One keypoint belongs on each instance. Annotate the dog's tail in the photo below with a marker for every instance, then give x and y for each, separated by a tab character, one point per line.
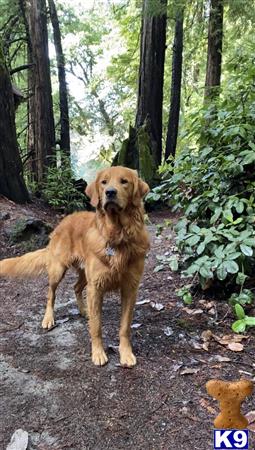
29	265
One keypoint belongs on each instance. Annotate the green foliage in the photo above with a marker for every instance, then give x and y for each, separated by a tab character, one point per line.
213	185
238	302
166	261
58	188
185	294
243	321
245	297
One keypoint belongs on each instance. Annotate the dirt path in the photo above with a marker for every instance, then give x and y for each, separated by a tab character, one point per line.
50	388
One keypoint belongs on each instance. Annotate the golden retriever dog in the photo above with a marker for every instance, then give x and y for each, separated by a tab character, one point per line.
107	248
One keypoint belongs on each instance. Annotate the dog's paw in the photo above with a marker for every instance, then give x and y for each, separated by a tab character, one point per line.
127	358
48	321
99	357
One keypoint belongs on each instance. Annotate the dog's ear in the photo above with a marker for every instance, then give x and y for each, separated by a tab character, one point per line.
92	192
140	190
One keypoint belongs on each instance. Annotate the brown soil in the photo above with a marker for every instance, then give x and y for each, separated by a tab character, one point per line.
50	388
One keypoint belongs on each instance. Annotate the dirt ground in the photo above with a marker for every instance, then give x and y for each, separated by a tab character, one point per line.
50	388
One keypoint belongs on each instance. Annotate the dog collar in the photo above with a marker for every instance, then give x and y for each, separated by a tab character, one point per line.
109	251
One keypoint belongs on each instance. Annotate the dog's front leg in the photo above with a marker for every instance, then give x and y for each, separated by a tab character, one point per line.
94	302
128	299
129	288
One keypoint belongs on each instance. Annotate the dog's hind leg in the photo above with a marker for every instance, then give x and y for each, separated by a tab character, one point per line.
55	272
78	289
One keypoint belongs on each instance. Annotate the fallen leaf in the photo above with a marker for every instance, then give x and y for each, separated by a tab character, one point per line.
192	312
19	440
202	302
197	346
206	346
245	372
168	331
220	358
205	404
235	346
229	338
143	302
206	304
231	341
189	371
206	337
157	306
211	311
176	367
210	305
136	325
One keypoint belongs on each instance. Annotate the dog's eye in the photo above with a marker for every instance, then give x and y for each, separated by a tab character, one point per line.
123	181
103	181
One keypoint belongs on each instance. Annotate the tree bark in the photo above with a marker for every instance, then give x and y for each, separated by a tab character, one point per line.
214	52
151	73
175	99
41	132
12	184
63	94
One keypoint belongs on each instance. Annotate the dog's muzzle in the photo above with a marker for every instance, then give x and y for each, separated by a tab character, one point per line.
111	201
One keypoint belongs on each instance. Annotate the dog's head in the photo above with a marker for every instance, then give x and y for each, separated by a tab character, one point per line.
116	188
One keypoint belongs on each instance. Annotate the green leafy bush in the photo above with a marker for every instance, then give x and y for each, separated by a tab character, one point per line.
213	185
243	321
185	294
245	297
59	190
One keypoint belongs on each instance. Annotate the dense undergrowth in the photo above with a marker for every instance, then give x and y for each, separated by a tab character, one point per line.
213	185
59	189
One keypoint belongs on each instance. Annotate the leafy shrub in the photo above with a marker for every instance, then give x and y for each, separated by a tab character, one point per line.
245	297
185	294
244	321
59	189
214	187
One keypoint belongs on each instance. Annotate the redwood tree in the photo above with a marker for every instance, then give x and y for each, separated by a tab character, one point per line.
41	133
214	52
175	98
63	94
151	72
143	149
12	184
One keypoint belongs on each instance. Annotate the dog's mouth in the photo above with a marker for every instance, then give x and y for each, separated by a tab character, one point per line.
111	206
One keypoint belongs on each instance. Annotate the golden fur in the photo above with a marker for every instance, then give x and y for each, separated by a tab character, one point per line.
84	240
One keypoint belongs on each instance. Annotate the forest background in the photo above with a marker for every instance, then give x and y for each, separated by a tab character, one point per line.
166	87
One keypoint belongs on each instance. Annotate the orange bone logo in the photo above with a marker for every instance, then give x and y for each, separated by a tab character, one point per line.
230	396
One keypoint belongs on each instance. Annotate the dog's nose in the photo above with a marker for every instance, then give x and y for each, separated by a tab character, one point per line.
111	192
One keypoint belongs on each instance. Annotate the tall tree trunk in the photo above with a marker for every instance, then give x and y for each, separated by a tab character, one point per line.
41	133
63	95
214	52
143	149
12	184
151	73
174	113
